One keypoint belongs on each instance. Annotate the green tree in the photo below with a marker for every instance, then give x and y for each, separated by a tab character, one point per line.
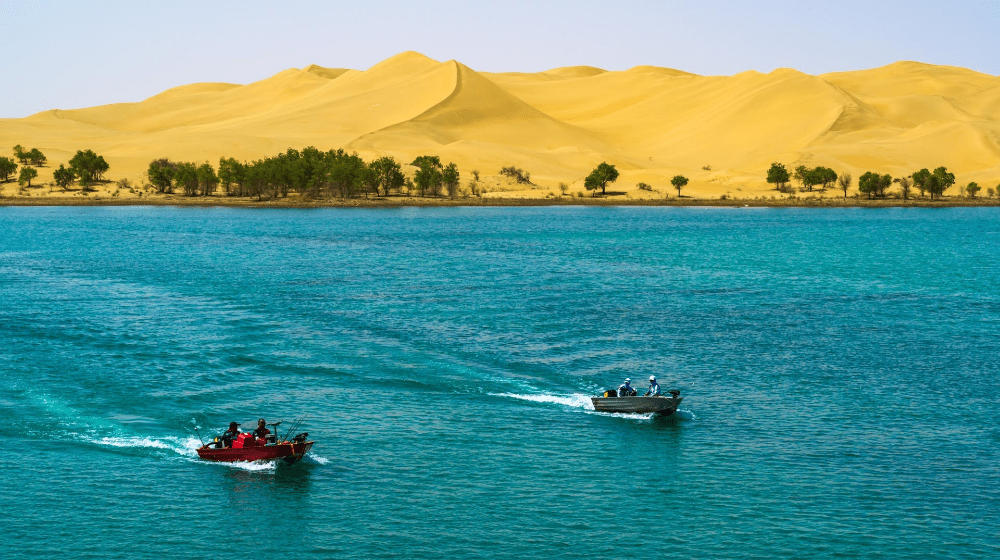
826	177
63	177
811	178
36	157
884	182
844	181
451	179
869	183
346	173
21	154
600	177
388	175
904	185
944	181
186	177
161	175
88	167
7	168
420	161
800	175
207	179
232	175
778	176
920	180
27	174
972	189
428	178
678	182
933	185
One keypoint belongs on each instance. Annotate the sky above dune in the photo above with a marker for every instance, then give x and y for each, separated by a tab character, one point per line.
68	55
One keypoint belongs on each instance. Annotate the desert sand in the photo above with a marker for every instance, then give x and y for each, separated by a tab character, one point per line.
722	132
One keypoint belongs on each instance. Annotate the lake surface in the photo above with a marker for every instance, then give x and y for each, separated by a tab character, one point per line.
839	369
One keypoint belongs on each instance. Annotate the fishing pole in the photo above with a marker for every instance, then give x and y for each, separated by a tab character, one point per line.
295	426
199	436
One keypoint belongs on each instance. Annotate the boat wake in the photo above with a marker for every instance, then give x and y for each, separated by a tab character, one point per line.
582	402
575	400
184	446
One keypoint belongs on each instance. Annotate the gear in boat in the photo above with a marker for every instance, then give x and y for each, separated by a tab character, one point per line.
624	399
260	445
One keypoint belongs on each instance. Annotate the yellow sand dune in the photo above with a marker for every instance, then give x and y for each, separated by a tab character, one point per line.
651	122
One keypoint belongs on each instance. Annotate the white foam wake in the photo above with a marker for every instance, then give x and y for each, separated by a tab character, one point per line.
574	400
181	446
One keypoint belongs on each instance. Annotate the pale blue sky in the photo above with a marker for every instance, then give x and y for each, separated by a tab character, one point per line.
69	54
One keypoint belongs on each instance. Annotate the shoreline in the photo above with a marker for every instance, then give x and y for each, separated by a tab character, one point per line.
425	202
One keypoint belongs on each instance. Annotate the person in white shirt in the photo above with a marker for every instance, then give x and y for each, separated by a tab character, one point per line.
654	387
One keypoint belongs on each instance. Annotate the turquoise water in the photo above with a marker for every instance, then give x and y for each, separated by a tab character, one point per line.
839	369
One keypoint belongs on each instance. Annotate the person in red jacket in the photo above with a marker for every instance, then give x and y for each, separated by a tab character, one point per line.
261	431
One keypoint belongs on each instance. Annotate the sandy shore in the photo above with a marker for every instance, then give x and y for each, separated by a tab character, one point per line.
427	202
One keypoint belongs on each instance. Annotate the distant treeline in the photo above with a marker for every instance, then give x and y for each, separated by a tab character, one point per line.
85	167
335	173
309	172
871	183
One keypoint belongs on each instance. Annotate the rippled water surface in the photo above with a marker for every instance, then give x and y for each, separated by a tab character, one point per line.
839	369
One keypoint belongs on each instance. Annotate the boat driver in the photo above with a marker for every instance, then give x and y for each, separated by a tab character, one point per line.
231	434
654	387
261	431
626	390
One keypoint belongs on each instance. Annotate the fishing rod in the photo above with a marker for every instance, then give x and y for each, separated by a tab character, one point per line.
199	436
295	426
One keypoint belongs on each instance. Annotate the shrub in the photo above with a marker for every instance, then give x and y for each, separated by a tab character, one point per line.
644	187
517	174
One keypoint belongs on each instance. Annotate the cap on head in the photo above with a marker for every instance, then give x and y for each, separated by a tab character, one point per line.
261	421
652	378
233	425
627	380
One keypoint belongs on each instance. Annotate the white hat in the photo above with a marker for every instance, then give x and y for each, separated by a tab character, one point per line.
627	380
652	378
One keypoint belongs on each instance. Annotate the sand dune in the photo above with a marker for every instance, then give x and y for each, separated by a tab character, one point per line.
652	122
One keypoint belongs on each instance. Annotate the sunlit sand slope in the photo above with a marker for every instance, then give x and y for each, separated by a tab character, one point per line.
651	122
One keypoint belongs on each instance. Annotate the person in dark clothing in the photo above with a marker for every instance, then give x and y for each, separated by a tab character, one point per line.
231	434
261	431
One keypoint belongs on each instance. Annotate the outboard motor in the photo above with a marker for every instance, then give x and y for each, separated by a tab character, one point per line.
300	438
675	393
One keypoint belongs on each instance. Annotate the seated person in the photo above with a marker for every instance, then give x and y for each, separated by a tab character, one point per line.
261	431
231	434
626	390
654	387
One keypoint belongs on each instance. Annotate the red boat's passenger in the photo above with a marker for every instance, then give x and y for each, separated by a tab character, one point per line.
261	431
231	434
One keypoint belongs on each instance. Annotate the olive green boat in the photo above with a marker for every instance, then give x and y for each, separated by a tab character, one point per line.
661	405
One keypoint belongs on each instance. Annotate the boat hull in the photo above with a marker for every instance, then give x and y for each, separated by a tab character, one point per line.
664	406
286	452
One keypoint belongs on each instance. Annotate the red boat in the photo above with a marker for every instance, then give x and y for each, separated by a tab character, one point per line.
248	448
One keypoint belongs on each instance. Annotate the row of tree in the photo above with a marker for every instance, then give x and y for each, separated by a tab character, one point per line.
33	156
870	183
310	172
85	167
